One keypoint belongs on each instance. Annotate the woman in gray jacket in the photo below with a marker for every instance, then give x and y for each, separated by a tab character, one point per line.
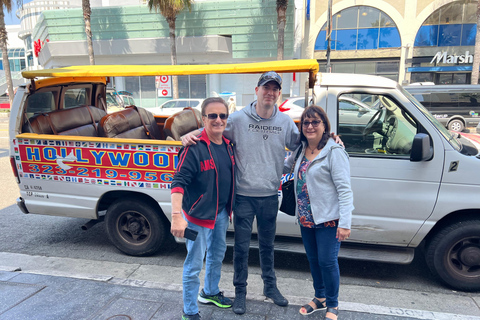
324	206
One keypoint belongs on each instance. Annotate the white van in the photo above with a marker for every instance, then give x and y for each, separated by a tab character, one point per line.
415	185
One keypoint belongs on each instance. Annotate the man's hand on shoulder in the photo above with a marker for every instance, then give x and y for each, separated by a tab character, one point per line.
337	139
190	138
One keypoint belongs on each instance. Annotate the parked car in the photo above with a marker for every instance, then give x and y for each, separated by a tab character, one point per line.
353	111
113	105
126	98
455	106
175	105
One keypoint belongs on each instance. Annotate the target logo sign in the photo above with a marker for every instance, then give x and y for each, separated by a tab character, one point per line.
164	86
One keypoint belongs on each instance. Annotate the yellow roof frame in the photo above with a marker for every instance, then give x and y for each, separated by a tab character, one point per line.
300	65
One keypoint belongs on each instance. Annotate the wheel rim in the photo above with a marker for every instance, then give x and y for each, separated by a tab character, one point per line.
464	257
456	126
133	227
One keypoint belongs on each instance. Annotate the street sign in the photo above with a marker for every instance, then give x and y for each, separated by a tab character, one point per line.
164	86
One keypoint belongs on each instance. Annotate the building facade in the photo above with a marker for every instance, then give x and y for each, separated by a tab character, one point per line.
407	41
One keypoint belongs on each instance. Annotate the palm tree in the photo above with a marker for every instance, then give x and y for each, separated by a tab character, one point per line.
281	21
6	5
170	9
87	11
476	56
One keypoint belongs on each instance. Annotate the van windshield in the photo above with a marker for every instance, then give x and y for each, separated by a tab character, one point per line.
441	128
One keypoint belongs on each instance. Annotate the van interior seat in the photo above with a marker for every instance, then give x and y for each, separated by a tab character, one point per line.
78	121
182	122
129	123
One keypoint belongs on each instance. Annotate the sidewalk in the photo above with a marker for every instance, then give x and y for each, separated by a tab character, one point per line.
34	296
63	288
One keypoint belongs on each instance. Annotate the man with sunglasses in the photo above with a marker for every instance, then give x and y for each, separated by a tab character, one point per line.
260	133
202	200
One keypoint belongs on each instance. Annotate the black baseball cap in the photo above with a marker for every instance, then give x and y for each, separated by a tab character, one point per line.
270	76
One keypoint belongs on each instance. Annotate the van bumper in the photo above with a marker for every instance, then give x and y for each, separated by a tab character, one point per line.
21	205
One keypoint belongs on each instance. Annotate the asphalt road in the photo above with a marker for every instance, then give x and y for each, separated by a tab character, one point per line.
49	236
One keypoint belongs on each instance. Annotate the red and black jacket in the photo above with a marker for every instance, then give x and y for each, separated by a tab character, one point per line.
196	178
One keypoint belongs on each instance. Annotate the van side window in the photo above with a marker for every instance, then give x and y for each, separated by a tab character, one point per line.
382	129
74	97
40	102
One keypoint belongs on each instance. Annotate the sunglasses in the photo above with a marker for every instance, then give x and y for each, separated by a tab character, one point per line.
314	123
213	116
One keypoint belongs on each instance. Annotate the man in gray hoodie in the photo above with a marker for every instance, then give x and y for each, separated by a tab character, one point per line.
260	133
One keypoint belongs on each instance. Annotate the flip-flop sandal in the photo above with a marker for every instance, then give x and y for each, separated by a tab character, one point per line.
332	310
310	310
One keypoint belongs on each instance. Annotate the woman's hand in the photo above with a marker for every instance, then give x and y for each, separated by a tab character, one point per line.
343	234
178	225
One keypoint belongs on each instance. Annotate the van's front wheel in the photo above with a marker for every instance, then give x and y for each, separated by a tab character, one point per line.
135	228
454	255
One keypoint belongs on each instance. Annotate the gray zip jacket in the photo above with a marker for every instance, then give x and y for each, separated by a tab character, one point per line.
260	149
328	184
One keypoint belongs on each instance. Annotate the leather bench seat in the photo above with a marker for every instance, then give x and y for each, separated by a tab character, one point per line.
130	123
182	122
78	121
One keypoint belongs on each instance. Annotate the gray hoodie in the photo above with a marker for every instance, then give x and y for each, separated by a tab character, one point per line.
328	184
260	149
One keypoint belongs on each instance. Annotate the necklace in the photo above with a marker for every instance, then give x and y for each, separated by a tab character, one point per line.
313	150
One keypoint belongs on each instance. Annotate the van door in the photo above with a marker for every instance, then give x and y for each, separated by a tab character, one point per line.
393	196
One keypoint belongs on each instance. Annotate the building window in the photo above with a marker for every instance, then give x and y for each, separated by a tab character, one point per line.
452	25
360	28
387	69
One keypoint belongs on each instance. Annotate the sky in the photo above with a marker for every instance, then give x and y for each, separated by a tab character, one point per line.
11	18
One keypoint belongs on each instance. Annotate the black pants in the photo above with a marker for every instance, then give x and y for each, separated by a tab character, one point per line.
265	209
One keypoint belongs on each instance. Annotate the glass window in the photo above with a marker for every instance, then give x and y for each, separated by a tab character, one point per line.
449	35
386	21
389	38
368	17
383	130
170	104
374	30
40	102
451	13
346	40
427	36
365	68
147	87
421	77
367	39
192	86
434	18
470	12
344	68
469	32
321	42
74	98
459	78
347	19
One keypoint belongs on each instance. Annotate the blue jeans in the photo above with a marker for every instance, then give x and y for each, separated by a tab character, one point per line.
322	246
265	209
213	242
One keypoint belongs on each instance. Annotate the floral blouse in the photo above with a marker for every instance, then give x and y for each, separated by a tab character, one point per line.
305	216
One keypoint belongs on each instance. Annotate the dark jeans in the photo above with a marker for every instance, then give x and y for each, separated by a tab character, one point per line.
322	246
265	210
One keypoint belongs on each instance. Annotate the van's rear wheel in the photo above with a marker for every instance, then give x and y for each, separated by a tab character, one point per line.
453	254
135	228
456	125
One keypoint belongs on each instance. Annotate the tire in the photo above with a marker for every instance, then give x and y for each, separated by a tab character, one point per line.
456	125
135	228
453	254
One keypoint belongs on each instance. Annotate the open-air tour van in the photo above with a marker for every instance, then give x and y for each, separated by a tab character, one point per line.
415	184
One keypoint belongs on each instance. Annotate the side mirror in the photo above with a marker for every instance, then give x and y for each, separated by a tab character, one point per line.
421	149
362	110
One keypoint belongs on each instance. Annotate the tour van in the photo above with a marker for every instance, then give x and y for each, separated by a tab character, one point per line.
415	184
455	106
